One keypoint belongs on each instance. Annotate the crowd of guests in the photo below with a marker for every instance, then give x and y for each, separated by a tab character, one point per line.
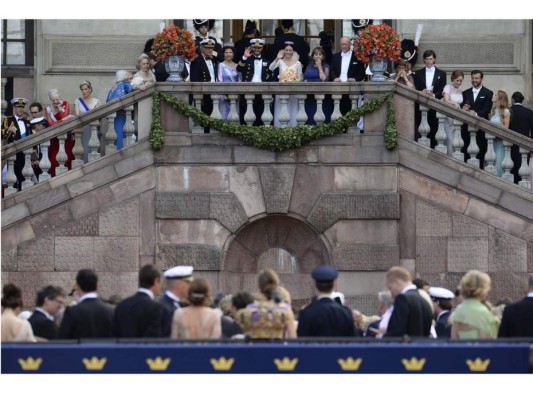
187	310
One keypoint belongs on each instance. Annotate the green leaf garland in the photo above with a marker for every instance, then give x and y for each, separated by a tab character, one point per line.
272	138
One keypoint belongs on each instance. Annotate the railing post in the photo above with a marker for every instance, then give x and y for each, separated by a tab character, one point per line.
249	116
111	135
336	106
319	116
233	115
507	163
78	150
27	171
267	116
94	143
61	156
458	142
473	148
11	178
440	135
45	164
490	156
283	117
196	128
525	170
129	128
424	128
355	104
301	117
216	111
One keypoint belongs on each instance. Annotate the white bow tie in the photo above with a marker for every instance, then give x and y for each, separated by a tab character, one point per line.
347	54
430	69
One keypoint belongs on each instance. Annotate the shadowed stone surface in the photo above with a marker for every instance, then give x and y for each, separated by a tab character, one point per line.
147	225
9	260
506	252
277	187
465	254
116	254
363	232
530	257
202	257
122	284
240	259
54	218
226	209
245	184
366	179
465	226
192	231
74	253
309	183
407	225
431	255
182	205
233	282
86	226
37	254
431	220
48	199
332	207
359	283
365	257
121	219
504	283
17	234
367	303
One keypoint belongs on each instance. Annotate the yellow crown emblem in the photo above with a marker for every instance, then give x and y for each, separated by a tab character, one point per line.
477	365
94	364
350	364
158	364
30	364
286	364
222	364
413	364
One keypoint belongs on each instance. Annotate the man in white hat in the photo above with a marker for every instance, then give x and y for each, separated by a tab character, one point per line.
178	279
442	303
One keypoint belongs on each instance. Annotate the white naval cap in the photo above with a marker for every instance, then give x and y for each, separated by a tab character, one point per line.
179	272
440	293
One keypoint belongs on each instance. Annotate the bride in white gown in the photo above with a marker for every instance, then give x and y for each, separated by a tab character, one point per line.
290	70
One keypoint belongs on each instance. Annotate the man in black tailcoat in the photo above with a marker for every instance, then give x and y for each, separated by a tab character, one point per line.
429	80
50	300
517	318
521	122
325	317
477	100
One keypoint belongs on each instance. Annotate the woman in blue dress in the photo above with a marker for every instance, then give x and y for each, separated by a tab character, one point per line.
500	115
121	88
317	71
227	72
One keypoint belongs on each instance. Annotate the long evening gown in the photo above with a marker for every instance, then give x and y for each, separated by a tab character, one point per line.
227	74
498	143
293	100
86	136
456	95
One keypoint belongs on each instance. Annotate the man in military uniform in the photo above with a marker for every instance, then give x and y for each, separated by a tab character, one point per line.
177	279
324	316
203	26
250	32
254	68
204	69
14	128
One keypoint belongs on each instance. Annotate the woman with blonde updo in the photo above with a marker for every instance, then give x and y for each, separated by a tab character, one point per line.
198	320
269	317
82	105
500	115
473	319
144	78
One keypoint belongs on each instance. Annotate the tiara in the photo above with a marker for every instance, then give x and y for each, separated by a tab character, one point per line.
291	43
228	44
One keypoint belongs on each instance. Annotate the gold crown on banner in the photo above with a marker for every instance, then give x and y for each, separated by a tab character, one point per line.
158	364
349	364
30	364
222	364
94	364
478	365
286	364
413	364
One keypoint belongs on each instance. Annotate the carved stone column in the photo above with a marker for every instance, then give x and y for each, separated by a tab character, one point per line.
440	135
267	116
11	178
301	117
111	135
507	163
319	116
525	170
249	116
283	116
78	150
129	127
233	115
61	156
94	143
490	156
458	142
473	148
27	171
424	128
45	164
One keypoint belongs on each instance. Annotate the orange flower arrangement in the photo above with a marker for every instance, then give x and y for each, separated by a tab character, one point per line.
378	41
174	40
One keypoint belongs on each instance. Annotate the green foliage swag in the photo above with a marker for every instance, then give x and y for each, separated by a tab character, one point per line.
269	137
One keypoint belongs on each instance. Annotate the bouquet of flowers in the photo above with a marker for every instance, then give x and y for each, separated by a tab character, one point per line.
174	40
289	75
378	41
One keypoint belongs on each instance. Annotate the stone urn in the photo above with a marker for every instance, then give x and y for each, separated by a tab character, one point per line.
174	66
378	68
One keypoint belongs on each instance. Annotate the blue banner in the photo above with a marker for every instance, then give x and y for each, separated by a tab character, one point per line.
266	358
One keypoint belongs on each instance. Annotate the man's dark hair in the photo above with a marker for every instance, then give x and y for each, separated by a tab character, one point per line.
241	300
517	97
477	71
52	292
445	304
420	283
148	46
325	287
37	104
429	53
287	23
147	276
87	280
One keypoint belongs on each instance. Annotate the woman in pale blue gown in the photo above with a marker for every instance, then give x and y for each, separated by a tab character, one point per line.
452	95
500	115
227	72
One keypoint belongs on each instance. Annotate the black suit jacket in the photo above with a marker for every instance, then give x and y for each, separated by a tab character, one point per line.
200	72
138	316
246	67
411	316
442	328
42	326
92	318
483	103
217	51
168	312
325	317
20	159
517	319
300	46
356	69
439	81
521	120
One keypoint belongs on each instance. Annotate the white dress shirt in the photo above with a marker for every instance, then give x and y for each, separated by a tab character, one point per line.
475	92
430	73
346	57
258	67
211	69
22	126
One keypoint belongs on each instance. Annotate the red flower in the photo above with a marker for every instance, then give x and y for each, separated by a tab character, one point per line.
174	40
379	41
